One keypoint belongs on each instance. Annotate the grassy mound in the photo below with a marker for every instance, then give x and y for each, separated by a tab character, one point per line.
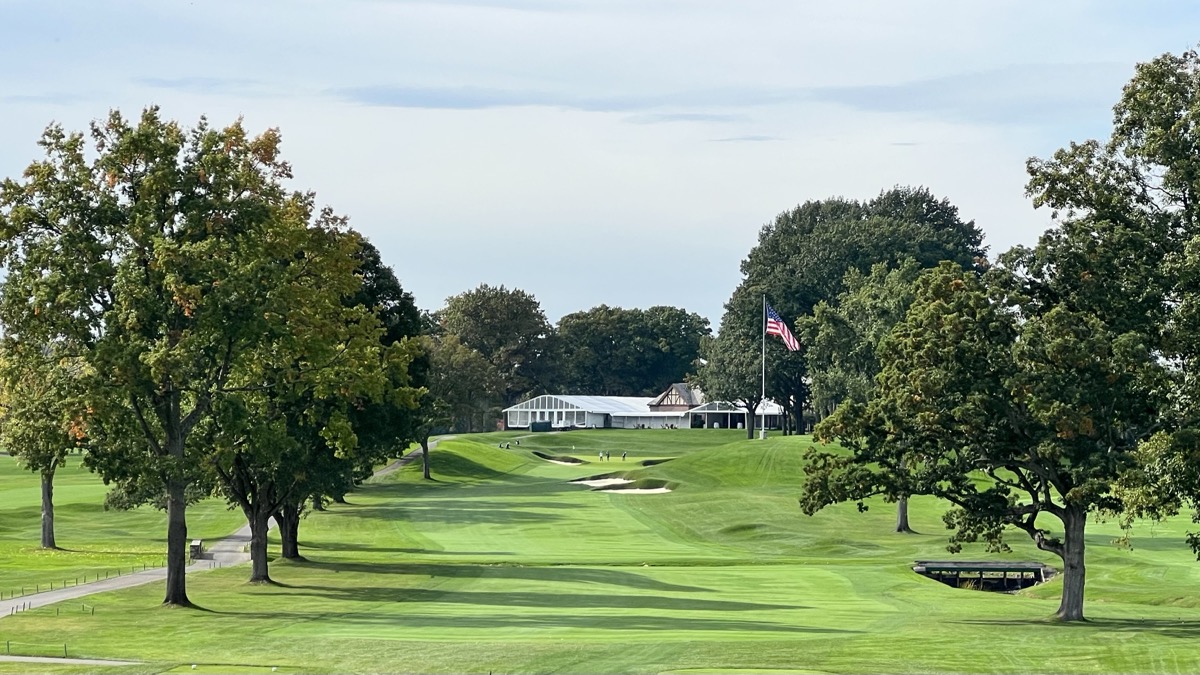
557	458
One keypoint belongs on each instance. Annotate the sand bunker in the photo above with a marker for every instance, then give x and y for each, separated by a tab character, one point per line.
602	482
640	491
559	461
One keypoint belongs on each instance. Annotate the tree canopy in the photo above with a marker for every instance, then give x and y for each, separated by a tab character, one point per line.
178	264
627	352
1062	383
802	258
509	328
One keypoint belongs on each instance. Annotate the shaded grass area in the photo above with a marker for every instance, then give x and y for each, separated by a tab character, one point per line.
92	541
501	565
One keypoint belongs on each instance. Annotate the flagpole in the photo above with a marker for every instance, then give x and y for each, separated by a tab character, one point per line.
762	432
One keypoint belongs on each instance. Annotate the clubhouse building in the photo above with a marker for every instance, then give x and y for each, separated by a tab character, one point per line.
679	407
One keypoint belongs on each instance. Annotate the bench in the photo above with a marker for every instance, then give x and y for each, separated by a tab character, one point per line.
197	548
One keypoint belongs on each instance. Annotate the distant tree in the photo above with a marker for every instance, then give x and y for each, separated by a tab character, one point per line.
509	328
802	258
39	427
844	336
627	352
463	387
733	360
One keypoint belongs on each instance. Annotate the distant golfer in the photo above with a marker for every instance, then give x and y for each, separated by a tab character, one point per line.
602	456
608	456
622	457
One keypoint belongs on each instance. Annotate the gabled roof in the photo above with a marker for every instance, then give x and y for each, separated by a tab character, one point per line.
764	408
685	394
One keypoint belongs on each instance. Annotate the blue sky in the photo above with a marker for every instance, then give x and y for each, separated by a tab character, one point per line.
624	152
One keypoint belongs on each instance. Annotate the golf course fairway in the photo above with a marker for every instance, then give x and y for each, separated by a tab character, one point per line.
502	565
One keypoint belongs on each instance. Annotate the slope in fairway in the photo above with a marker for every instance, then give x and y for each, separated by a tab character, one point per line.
502	565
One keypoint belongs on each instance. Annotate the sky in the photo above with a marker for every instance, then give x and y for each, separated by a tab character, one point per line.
619	152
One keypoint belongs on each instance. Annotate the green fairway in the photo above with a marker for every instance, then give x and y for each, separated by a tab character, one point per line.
92	541
502	565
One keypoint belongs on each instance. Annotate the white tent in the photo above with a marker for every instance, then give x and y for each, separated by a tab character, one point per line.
567	411
629	412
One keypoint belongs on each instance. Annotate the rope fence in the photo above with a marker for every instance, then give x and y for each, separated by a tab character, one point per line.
12	648
86	578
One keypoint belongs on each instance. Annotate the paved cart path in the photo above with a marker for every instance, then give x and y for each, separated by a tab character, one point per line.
231	550
228	551
66	662
409	458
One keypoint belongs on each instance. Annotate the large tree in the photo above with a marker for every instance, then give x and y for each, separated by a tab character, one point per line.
844	336
803	256
160	251
1016	409
1145	180
296	403
509	328
461	390
384	424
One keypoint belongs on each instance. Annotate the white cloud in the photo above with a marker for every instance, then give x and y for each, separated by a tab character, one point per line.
567	146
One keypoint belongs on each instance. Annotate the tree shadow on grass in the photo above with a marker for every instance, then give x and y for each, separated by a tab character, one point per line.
1164	627
350	546
400	622
452	512
532	486
609	577
533	599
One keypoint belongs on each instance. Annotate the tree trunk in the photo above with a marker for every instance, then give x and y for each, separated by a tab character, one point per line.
318	503
48	509
425	456
177	545
1071	607
902	515
288	519
259	524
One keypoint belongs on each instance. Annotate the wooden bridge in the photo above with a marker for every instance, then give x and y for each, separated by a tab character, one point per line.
986	575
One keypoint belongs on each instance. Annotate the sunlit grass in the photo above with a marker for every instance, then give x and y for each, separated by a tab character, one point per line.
501	565
92	542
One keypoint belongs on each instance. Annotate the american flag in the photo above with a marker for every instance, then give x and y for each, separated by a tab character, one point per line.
776	326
